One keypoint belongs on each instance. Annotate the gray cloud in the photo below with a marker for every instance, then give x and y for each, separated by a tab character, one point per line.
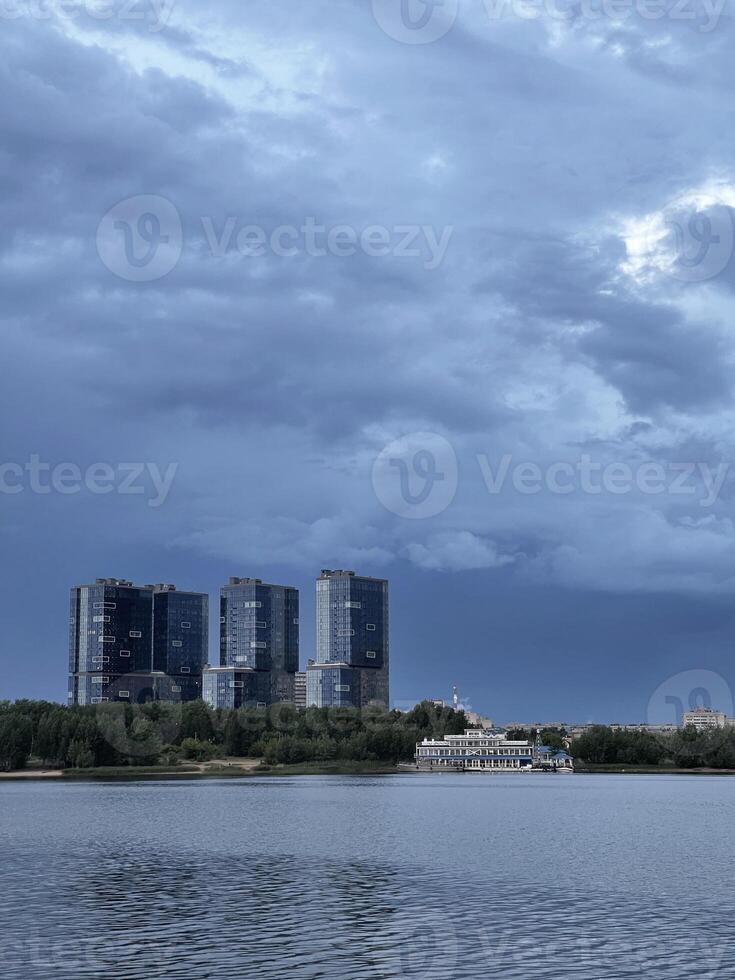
274	382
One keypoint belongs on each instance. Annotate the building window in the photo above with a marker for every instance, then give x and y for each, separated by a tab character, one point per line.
107	639
258	645
101	619
175	689
342	687
176	643
371	627
186	626
252	605
136	634
353	605
125	653
346	633
186	670
371	654
123	694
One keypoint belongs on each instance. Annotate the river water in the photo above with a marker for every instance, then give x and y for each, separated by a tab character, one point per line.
417	875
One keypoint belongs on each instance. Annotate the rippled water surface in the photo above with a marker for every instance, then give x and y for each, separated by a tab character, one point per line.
470	876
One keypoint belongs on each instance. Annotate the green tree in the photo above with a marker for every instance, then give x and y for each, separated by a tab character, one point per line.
16	740
196	722
193	748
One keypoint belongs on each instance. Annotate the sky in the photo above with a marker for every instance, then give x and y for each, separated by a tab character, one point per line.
439	293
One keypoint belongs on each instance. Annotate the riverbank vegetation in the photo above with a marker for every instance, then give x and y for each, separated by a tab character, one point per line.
187	736
685	748
120	735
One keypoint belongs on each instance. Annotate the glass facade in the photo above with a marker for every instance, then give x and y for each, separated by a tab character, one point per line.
180	631
135	643
110	629
259	632
133	688
299	697
353	635
228	687
332	686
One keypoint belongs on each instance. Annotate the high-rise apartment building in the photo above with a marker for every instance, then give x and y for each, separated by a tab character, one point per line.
133	643
352	643
181	637
259	645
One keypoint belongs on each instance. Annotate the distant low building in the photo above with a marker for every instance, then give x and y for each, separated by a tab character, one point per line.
576	731
488	750
299	696
474	718
704	719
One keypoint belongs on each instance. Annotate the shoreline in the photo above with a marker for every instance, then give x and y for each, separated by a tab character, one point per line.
218	769
244	768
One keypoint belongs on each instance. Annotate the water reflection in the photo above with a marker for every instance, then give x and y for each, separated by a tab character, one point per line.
161	905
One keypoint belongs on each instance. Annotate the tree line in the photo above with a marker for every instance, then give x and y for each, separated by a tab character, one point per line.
84	737
685	748
158	733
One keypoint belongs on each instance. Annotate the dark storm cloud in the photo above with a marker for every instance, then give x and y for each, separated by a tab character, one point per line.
274	382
